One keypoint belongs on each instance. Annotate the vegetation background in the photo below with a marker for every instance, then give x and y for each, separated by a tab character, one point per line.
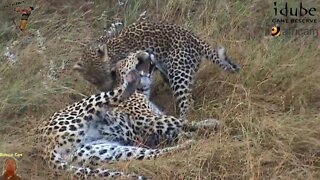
269	112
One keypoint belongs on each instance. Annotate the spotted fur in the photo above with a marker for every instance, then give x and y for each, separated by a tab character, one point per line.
105	128
177	50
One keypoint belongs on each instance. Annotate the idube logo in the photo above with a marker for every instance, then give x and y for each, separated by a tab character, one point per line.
291	14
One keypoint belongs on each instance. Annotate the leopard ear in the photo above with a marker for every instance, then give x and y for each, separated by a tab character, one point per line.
144	58
144	55
132	79
101	50
106	58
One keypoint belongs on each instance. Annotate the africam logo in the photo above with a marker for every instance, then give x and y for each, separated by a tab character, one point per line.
300	14
276	31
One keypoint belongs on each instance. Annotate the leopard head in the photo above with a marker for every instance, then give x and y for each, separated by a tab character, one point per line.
95	67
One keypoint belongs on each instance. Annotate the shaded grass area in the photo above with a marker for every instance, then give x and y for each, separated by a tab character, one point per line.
269	111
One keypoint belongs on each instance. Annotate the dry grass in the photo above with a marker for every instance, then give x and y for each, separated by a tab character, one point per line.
269	112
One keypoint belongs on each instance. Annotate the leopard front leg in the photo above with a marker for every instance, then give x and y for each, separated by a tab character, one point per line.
181	81
181	66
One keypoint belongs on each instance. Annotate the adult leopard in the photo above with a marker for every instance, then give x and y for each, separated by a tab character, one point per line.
177	50
98	129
